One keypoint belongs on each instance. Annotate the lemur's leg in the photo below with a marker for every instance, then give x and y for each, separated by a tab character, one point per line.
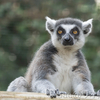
82	86
45	86
18	85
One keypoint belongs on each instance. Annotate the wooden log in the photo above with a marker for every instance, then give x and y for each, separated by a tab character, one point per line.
39	96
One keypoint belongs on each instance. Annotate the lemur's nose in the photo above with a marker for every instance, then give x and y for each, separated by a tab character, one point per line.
67	39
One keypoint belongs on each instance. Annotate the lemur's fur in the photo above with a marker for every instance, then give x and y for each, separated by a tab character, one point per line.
59	63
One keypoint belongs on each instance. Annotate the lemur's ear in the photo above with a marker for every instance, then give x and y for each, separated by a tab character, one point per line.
50	24
87	27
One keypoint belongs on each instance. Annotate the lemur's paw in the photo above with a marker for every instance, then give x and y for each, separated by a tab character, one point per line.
86	93
97	93
54	93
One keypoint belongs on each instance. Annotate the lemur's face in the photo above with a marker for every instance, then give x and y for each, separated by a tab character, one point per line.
68	32
67	35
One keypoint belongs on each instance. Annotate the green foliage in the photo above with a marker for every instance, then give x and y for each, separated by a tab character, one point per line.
22	32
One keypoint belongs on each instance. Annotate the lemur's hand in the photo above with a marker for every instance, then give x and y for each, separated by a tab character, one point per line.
97	93
54	93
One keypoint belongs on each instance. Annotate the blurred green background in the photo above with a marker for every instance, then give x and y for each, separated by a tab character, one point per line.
22	32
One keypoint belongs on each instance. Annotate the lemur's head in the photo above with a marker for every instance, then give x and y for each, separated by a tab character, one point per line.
68	32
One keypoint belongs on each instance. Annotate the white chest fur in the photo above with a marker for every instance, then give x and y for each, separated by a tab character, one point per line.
62	79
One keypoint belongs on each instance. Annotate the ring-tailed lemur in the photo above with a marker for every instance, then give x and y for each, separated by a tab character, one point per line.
59	63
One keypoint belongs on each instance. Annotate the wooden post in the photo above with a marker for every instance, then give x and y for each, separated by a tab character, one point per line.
39	96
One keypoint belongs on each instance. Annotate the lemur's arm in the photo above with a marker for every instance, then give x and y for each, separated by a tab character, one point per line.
82	86
81	77
42	85
45	86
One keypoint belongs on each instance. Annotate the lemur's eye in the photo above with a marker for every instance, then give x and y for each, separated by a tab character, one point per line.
60	31
75	32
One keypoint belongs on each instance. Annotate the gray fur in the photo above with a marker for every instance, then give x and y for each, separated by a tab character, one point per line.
19	84
42	85
83	66
50	27
87	28
77	22
43	61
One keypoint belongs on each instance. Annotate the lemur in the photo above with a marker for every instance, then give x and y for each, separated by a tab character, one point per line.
59	63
